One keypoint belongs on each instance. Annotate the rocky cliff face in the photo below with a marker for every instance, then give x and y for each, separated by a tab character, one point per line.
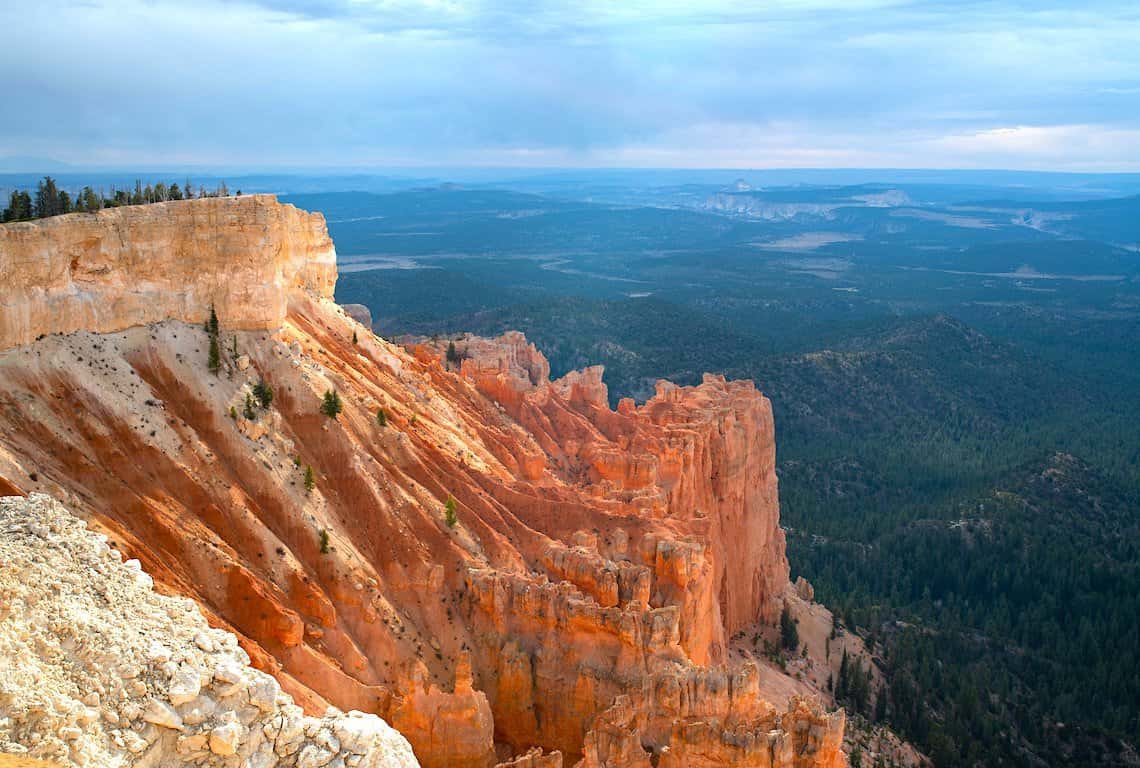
582	608
124	267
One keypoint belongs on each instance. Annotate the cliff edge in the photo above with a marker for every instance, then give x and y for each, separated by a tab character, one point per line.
498	564
139	264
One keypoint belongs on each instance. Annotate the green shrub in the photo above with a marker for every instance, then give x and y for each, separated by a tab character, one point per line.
264	393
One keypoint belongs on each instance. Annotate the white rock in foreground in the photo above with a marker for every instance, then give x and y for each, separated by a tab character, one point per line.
96	669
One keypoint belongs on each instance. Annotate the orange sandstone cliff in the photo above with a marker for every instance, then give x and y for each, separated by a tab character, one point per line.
581	611
125	267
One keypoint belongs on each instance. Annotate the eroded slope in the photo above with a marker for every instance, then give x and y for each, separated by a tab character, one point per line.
583	602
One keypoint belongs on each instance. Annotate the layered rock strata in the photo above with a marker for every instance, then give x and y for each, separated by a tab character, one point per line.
582	603
123	267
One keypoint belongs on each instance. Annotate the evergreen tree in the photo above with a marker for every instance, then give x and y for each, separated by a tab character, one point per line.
844	673
450	516
213	322
88	200
310	479
264	393
324	542
381	417
19	207
47	198
330	404
248	410
789	633
214	361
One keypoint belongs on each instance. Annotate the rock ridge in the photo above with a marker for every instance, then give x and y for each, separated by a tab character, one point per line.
133	265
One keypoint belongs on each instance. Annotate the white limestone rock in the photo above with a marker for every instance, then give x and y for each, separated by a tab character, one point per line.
96	669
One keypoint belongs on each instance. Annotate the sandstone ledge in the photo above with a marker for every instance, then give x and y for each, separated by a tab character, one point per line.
122	267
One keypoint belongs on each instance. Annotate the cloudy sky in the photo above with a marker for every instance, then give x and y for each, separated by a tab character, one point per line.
1032	84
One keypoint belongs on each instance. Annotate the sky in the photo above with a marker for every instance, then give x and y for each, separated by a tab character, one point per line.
1036	85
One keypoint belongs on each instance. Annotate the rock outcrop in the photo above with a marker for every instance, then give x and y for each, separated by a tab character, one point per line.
97	669
583	602
123	267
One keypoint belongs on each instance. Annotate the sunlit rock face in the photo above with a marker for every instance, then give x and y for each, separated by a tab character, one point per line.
139	264
580	609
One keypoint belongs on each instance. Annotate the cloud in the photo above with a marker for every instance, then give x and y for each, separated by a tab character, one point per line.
1064	146
400	82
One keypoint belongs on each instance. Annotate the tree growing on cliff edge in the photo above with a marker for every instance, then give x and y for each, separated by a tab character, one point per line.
310	479
381	417
88	201
50	200
19	207
331	405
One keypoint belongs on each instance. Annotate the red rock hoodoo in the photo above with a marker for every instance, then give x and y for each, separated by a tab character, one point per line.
580	610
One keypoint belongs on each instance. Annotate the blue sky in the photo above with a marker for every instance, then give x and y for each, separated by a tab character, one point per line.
820	83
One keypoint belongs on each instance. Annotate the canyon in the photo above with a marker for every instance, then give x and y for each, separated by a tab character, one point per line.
498	564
